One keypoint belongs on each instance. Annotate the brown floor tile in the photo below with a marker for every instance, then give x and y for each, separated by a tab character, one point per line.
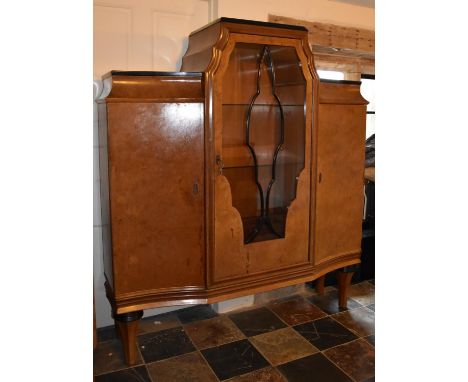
213	332
268	374
296	311
189	367
355	358
109	356
363	293
160	322
283	345
134	374
359	321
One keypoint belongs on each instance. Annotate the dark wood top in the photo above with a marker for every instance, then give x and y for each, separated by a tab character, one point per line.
150	73
251	22
328	81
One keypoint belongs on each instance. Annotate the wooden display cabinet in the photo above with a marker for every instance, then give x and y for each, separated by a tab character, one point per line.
240	174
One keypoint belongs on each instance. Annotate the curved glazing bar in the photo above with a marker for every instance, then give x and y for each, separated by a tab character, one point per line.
264	218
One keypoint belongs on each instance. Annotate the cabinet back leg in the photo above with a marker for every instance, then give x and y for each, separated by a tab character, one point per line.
344	281
320	285
127	325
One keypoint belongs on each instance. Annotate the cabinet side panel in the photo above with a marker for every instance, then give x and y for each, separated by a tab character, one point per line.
340	166
105	213
157	195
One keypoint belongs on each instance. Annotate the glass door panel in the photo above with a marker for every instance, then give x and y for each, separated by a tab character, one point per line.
263	135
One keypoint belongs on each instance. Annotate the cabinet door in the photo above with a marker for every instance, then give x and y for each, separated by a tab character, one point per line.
262	151
340	169
156	195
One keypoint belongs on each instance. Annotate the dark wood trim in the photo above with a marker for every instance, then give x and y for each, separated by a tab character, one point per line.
328	81
148	73
250	22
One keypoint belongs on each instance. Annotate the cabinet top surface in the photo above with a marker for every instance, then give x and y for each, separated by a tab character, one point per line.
151	73
251	22
348	82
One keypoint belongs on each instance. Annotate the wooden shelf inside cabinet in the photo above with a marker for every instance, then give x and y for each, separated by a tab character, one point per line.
232	178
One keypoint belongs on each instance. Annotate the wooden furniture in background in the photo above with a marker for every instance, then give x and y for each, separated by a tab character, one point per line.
232	177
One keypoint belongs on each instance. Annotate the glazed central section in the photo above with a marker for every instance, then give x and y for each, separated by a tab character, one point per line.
263	139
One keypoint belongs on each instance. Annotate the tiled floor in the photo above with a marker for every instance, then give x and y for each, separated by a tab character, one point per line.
304	337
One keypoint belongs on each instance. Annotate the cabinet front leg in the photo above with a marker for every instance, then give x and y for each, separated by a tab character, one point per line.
320	285
344	281
127	325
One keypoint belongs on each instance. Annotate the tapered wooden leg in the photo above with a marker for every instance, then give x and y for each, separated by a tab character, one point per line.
127	325
320	285
344	281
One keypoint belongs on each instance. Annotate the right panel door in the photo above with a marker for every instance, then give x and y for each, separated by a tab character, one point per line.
340	170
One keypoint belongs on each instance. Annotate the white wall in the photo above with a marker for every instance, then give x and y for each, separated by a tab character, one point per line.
325	11
152	35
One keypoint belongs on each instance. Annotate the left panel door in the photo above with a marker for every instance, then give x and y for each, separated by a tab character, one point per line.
156	192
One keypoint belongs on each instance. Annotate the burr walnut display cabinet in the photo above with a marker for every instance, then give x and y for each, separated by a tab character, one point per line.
240	174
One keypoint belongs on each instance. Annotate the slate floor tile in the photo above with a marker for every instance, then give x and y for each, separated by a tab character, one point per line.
283	345
359	321
314	368
370	339
190	367
363	293
267	374
213	332
196	313
325	333
157	323
164	344
234	359
134	374
355	358
256	321
296	311
109	356
107	333
328	302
